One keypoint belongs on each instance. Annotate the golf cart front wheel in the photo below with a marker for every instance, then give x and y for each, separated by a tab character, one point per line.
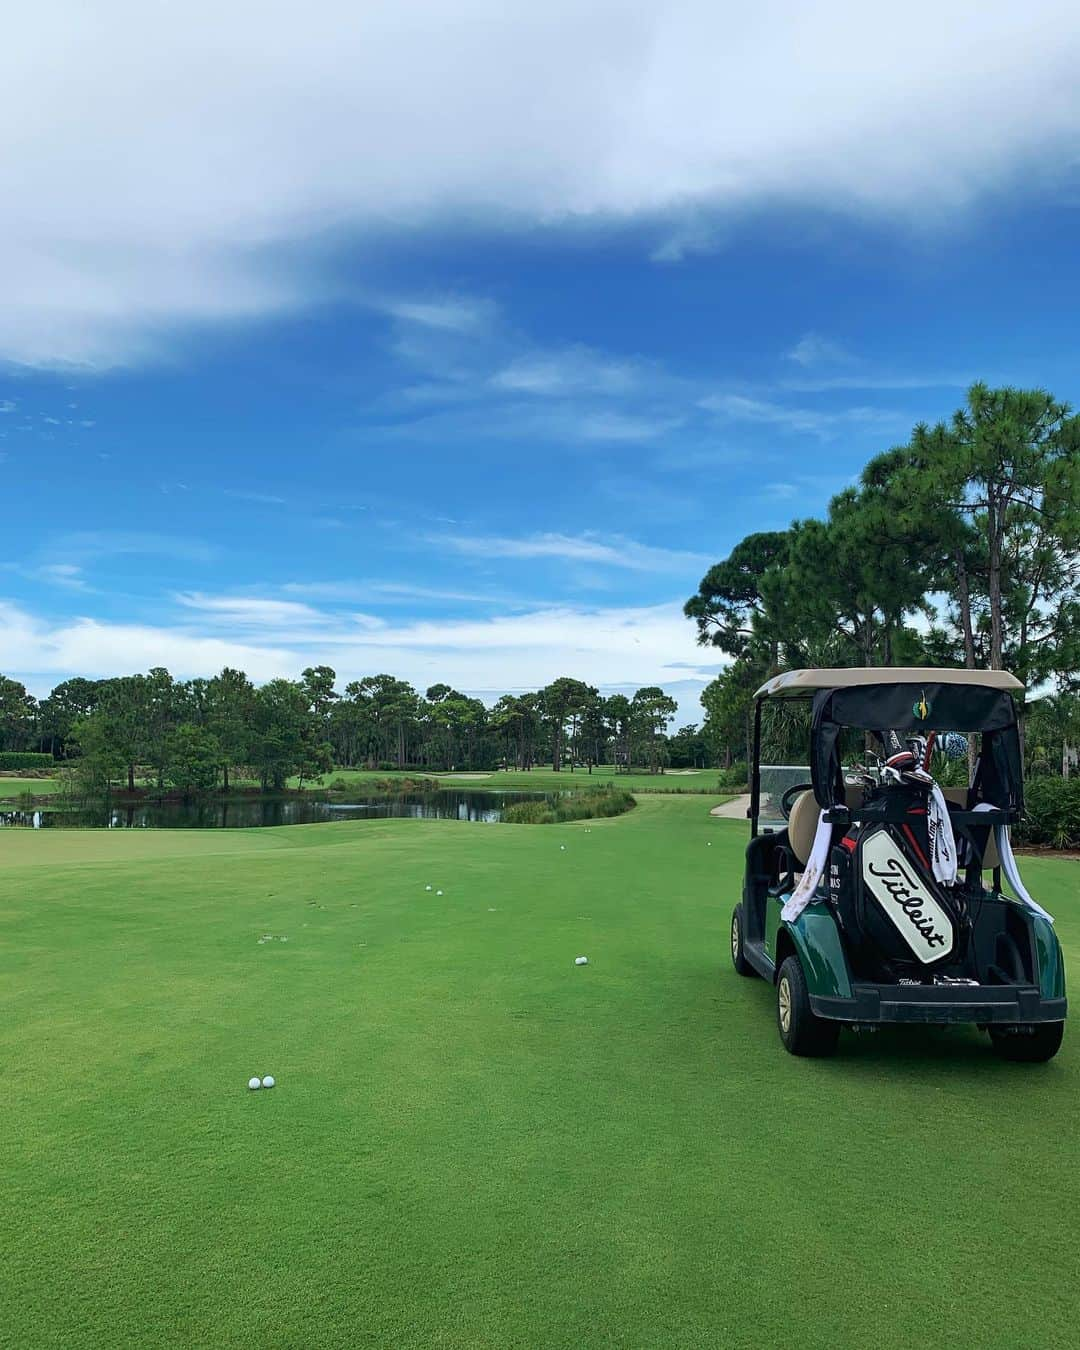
800	1031
738	957
1028	1045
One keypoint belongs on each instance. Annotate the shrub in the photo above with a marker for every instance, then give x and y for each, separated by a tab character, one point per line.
406	784
735	778
25	759
587	805
1051	813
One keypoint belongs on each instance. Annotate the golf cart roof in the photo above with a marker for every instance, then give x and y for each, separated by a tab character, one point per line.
805	683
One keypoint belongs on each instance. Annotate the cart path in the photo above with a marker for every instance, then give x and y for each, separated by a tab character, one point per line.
734	809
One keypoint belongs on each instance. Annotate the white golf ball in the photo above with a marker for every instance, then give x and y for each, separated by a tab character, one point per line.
581	960
438	892
268	1081
254	1083
427	888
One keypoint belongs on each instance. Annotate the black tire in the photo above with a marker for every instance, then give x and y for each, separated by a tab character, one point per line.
1034	1046
738	957
800	1031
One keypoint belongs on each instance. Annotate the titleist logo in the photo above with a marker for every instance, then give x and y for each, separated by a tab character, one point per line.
904	890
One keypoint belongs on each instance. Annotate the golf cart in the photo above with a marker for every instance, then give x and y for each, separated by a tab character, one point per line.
873	895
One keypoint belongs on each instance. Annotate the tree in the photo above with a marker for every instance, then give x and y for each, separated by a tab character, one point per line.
123	707
617	716
651	711
318	682
729	606
688	748
727	702
69	701
286	739
593	730
192	759
230	707
559	700
101	757
18	715
390	707
997	490
516	717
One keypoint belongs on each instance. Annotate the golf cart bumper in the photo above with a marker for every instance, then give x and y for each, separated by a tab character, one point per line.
985	1004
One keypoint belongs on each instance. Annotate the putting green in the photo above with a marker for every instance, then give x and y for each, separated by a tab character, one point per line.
472	1141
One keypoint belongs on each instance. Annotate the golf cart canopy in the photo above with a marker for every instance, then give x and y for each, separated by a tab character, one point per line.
913	700
806	683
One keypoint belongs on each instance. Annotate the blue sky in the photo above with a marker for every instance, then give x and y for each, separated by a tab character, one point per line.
457	344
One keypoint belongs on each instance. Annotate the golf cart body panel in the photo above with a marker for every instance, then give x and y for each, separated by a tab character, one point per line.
891	920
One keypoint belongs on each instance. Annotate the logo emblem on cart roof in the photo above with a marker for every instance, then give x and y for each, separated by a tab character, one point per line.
921	708
905	897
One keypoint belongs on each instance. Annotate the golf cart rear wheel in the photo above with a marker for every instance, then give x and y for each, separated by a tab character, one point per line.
800	1031
738	959
1034	1045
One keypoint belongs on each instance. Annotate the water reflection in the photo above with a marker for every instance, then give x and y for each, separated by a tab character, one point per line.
249	812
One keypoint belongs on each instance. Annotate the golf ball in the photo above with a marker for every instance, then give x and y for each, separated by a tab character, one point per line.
438	892
427	888
268	1081
254	1083
581	960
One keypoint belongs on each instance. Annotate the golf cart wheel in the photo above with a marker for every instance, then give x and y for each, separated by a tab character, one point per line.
1031	1046
738	959
800	1031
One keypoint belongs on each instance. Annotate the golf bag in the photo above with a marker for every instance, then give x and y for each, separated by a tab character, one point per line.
897	920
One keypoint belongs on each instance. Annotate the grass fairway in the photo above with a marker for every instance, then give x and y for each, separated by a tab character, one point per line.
544	779
40	787
474	1143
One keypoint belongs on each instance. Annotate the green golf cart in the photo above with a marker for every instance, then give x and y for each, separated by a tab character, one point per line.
873	895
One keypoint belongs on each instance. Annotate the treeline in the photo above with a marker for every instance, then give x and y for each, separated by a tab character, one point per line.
196	735
959	548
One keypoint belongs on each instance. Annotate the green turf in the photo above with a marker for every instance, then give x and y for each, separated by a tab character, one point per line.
40	787
544	779
473	1142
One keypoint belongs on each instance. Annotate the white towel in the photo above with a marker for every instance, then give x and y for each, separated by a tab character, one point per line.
803	893
942	839
1009	867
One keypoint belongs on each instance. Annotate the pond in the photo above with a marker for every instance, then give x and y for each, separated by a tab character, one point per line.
246	812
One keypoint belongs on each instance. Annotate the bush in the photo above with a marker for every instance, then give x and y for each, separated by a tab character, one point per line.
587	805
392	786
25	759
1051	814
734	779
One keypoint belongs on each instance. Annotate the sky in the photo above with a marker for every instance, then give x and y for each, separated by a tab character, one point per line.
458	340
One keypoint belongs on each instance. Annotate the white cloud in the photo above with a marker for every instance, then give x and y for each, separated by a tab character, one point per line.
7	405
575	370
613	551
605	646
740	408
250	611
167	160
813	350
454	314
383	592
83	546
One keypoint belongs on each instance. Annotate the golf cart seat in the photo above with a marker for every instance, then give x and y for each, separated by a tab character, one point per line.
803	822
802	826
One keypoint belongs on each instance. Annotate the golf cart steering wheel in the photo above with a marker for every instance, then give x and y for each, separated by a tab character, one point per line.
787	801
